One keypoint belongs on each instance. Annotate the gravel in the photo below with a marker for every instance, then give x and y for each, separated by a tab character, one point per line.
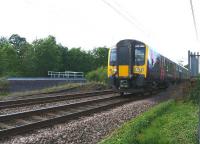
46	105
90	129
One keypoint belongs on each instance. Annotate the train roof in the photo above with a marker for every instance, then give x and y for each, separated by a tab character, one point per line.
134	40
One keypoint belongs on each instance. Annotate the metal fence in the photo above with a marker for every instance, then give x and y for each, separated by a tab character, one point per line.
66	74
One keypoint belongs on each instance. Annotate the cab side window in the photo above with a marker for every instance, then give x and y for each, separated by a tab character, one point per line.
113	57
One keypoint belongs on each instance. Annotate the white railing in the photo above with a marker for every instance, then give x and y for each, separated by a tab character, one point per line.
66	74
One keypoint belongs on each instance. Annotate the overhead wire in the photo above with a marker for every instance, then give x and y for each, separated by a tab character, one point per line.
194	20
129	15
129	18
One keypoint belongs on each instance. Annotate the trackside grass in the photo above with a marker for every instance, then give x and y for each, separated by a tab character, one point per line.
177	126
79	87
167	123
45	90
128	132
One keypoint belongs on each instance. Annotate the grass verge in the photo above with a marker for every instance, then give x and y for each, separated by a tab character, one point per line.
41	91
177	126
76	86
167	123
128	132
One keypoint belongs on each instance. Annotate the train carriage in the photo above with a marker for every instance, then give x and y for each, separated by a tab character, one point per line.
134	66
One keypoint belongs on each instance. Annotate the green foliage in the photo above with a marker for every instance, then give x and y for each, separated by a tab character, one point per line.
166	123
8	58
128	132
47	56
19	58
4	85
194	94
101	56
98	75
79	60
177	126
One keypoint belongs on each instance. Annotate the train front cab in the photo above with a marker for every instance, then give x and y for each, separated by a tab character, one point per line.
127	66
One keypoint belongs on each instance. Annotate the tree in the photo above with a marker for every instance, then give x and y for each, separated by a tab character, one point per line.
47	56
18	43
101	56
79	60
27	61
21	46
8	58
19	58
64	62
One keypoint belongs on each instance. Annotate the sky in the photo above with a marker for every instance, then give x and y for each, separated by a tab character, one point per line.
165	25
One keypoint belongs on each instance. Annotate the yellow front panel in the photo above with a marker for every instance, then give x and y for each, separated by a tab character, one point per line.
111	70
123	70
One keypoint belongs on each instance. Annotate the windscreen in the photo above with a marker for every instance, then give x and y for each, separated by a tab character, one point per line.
123	54
113	57
139	54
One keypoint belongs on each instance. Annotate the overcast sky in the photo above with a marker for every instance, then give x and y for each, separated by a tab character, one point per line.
165	25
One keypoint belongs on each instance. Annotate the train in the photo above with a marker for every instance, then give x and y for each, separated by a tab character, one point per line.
133	66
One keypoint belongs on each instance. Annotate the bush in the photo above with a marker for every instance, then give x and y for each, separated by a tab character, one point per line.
4	84
194	94
98	75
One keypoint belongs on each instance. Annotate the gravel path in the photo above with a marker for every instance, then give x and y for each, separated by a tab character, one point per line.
91	129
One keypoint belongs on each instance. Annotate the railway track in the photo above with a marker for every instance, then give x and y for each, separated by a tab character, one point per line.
49	99
16	123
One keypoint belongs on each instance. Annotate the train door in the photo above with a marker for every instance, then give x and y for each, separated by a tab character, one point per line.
124	55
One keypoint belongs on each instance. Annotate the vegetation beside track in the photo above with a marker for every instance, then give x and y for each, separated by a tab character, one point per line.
4	85
167	123
194	94
128	132
19	58
177	126
65	87
98	75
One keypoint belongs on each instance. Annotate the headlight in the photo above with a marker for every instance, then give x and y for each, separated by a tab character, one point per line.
115	70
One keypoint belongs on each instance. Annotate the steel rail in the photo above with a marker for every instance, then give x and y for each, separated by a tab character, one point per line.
4	118
71	111
9	125
48	99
